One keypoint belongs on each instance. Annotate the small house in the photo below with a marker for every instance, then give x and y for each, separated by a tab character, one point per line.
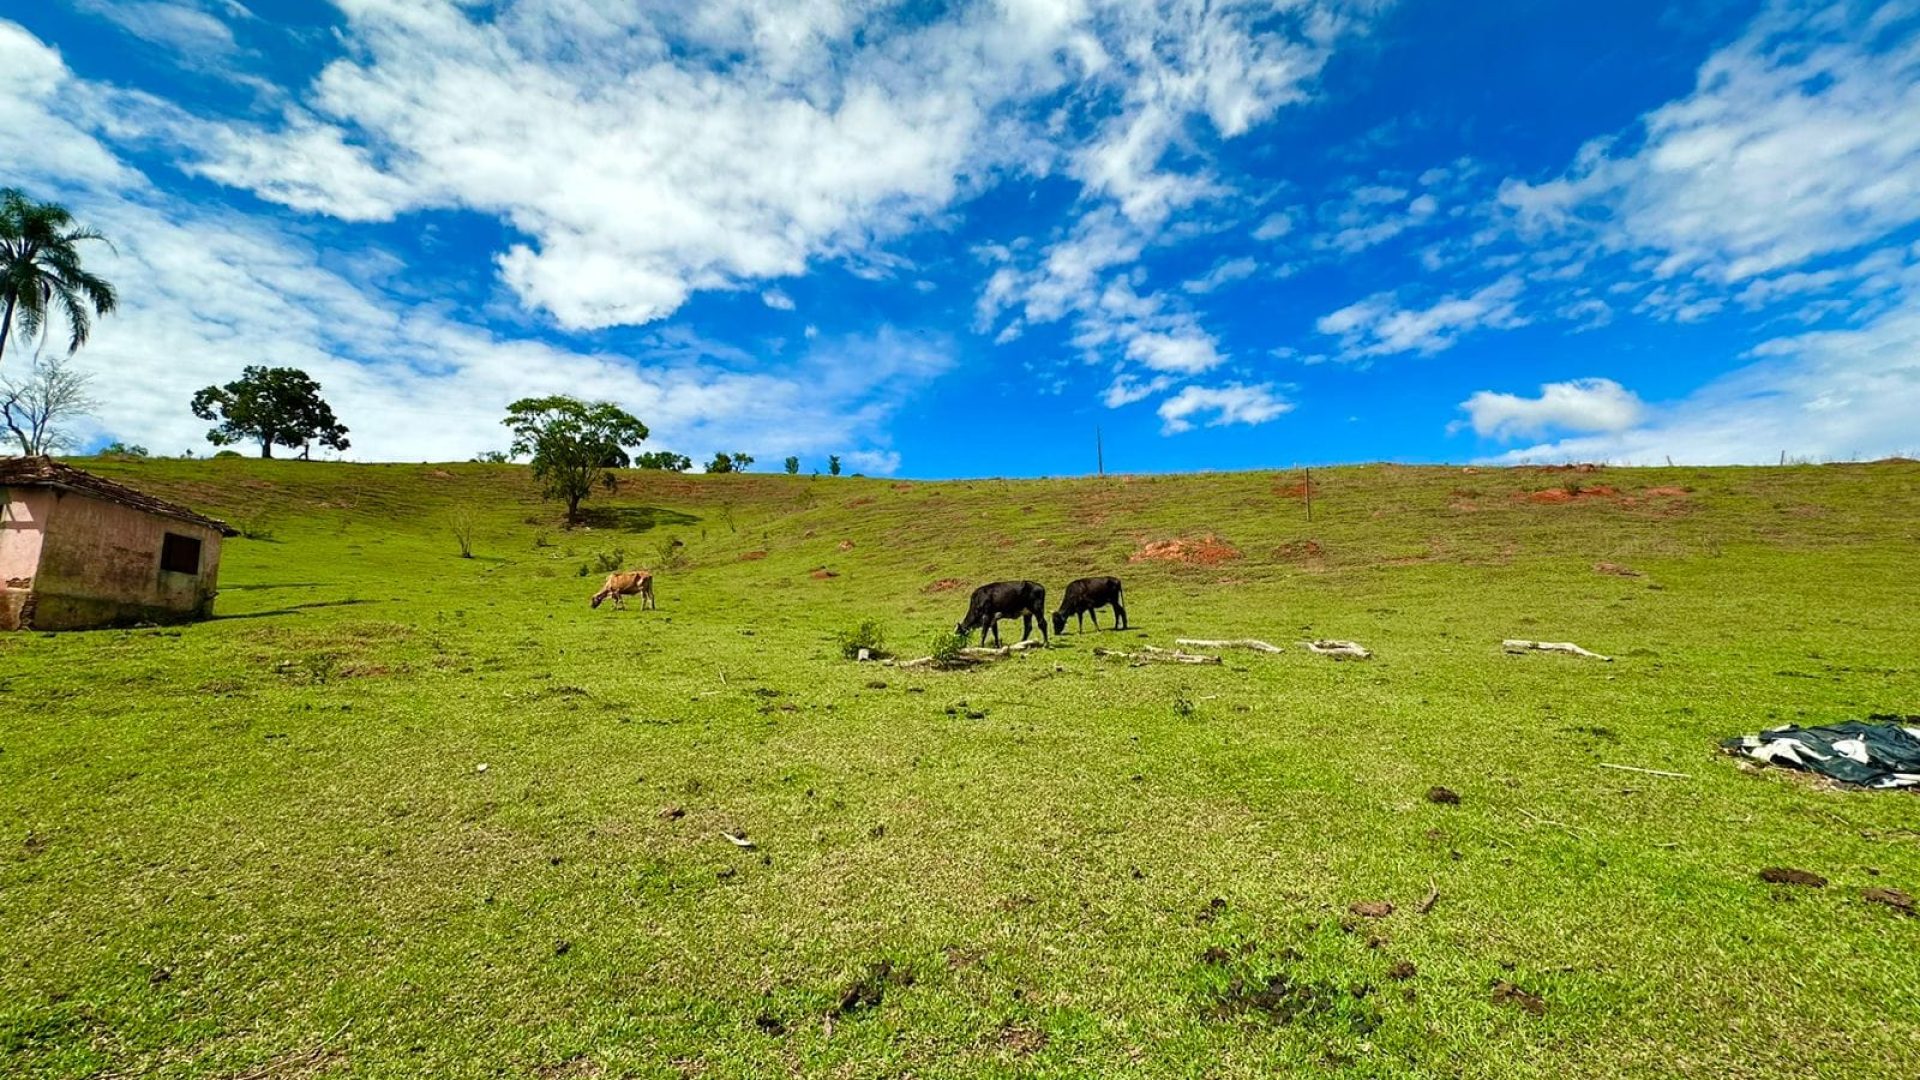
79	551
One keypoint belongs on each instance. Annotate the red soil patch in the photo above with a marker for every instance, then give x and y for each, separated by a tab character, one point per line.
903	487
1567	495
750	556
1295	491
1667	492
823	574
859	502
1208	550
945	584
1298	551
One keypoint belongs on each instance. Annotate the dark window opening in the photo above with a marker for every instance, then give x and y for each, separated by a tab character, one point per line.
180	554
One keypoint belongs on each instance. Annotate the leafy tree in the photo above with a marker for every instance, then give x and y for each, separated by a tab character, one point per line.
117	448
741	461
492	457
573	443
833	464
793	466
720	463
40	271
271	406
663	460
39	408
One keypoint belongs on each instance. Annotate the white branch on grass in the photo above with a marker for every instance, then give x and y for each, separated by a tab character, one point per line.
1516	646
1339	650
1235	643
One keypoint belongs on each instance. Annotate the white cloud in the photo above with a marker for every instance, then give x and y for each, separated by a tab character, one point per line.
1187	353
1582	405
1800	140
1274	226
873	462
1381	326
1224	272
777	300
205	292
1232	403
1126	390
187	29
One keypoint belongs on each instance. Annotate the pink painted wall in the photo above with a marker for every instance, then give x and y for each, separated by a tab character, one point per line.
21	527
99	563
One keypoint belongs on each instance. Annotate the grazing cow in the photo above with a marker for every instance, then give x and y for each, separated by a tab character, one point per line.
1086	597
1004	600
625	583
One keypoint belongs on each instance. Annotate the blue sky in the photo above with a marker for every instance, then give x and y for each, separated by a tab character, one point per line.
952	239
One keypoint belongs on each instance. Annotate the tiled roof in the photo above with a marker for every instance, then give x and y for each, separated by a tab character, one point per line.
46	472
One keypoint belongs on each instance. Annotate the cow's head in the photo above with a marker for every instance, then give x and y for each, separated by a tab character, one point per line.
1059	622
597	597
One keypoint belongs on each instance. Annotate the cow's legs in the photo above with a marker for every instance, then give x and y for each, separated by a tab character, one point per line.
1095	616
1039	616
619	602
1119	616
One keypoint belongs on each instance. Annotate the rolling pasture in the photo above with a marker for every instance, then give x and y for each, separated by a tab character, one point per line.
398	813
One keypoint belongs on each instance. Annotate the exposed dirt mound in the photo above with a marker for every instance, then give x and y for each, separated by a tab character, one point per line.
750	556
1208	550
1786	875
1572	494
1505	993
1893	898
1616	569
1666	493
945	584
1299	551
823	574
1298	490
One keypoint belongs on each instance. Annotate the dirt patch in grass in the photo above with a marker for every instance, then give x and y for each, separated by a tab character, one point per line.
1021	1039
1372	909
1893	898
1666	492
1616	569
1300	551
1570	493
1208	550
751	556
846	545
945	584
1505	993
1786	875
870	989
1298	490
823	574
1443	796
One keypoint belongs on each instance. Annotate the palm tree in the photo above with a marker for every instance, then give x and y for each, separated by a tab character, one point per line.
40	270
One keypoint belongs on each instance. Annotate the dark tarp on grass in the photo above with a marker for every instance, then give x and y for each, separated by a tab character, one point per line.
1884	754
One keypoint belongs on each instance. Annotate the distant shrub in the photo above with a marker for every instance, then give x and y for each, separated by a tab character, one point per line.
947	647
609	561
542	540
462	519
229	453
1183	706
671	554
793	466
493	457
255	528
867	635
120	449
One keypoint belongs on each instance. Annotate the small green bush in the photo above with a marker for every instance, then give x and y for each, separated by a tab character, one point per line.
609	561
867	635
947	647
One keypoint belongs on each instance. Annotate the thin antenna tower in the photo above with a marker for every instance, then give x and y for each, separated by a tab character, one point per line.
1099	452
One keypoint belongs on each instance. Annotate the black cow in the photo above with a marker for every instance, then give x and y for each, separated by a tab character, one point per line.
1085	597
1004	600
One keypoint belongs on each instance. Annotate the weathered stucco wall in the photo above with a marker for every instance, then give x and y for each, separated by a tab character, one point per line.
23	519
100	564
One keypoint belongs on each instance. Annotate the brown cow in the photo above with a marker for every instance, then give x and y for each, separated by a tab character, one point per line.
625	583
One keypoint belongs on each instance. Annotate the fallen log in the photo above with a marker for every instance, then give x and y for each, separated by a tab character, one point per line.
1004	650
1149	654
1514	646
1234	643
1339	650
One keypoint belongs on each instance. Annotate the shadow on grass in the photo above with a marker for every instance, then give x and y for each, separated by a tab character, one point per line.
633	518
275	585
293	609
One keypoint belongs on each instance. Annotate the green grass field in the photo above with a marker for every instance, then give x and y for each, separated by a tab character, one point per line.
264	846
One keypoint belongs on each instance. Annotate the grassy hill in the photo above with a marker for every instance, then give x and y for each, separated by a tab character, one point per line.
265	846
